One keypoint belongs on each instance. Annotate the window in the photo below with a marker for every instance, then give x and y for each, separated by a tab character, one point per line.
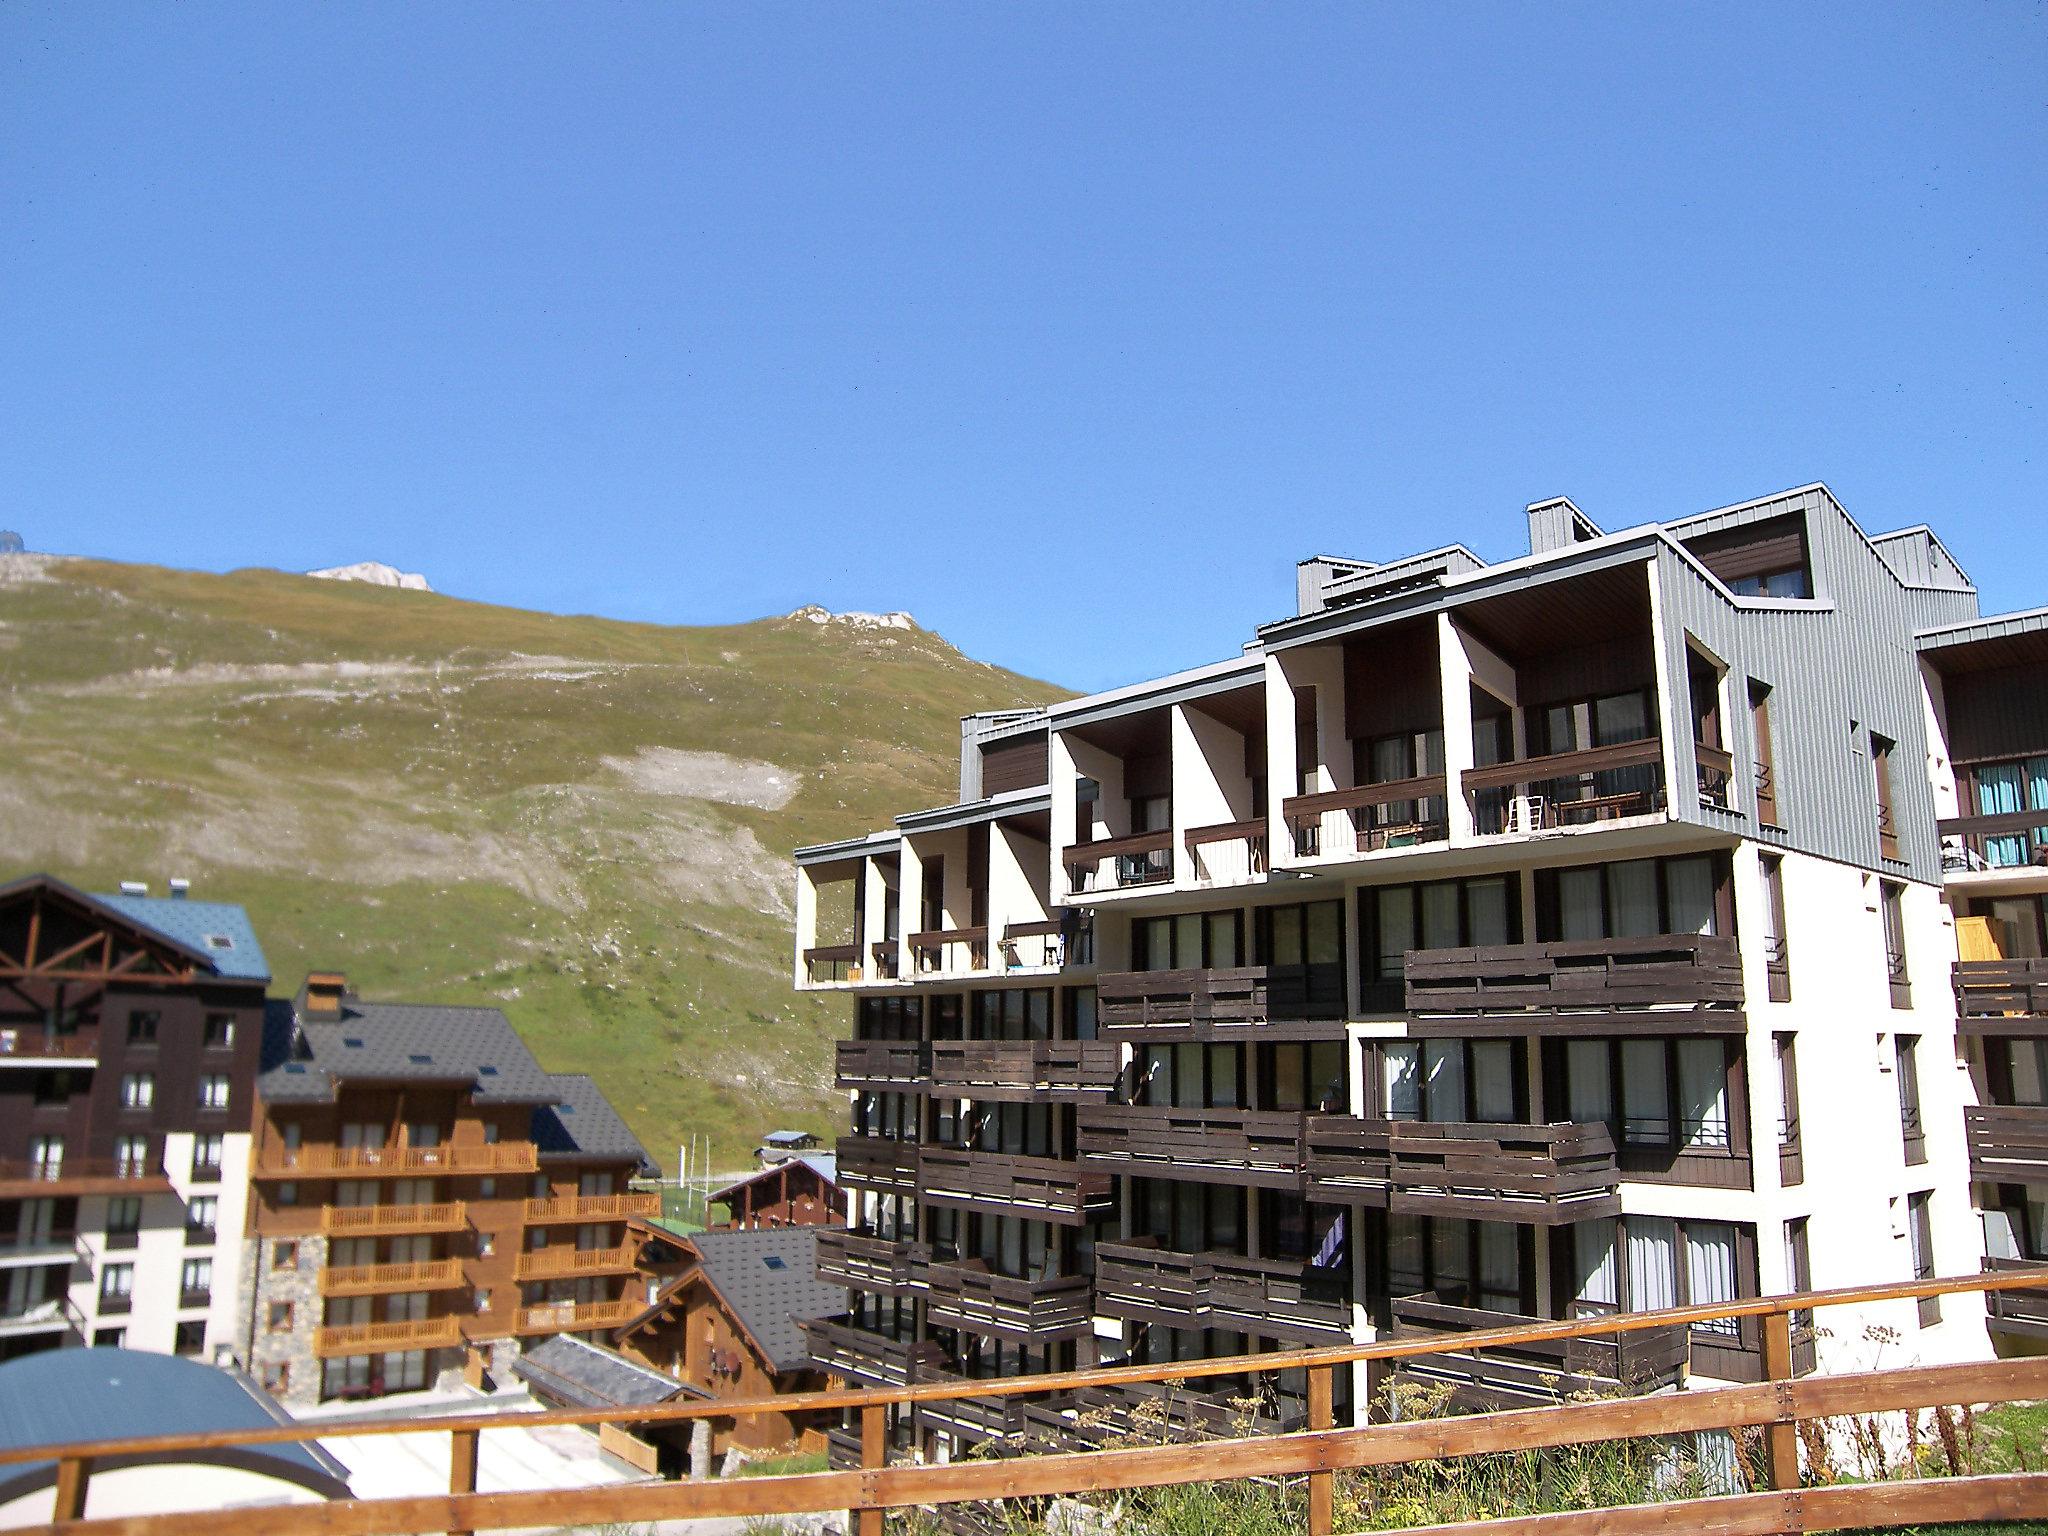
1643	1263
206	1154
46	1157
190	1338
1488	1264
1766	760
277	1377
2007	789
219	1031
284	1256
109	1338
287	1193
1633	898
131	1157
1798	1267
1445	914
117	1287
1192	941
1711	759
1892	906
1920	1233
213	1091
124	1221
138	1090
195	1283
1906	1050
1881	749
1306	939
1777	958
1655	1094
142	1026
1791	1161
280	1317
1454	1081
200	1215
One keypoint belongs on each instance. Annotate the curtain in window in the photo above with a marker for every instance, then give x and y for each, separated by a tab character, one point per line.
1710	1269
1486	912
1493	1081
2029	1071
1589	1094
1187	1076
1325	941
1222	941
1652	1265
1440	917
1593	1260
1620	717
1396	929
1223	1083
1444	1071
1632	887
2001	1240
1578	900
2000	790
1645	1094
1452	1258
1401	1070
1703	1091
1689	889
1406	1273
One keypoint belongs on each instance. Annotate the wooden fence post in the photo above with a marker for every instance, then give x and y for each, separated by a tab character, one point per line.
73	1474
1321	1485
1781	1441
874	1452
462	1465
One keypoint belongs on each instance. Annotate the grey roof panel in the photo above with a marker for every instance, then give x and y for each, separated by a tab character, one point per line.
592	1376
769	1277
220	930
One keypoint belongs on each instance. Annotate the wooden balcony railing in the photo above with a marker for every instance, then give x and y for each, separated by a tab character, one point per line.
1716	770
970	1421
2005	840
1566	789
1033	945
1658	974
2018	1312
881	1066
1268	1298
1991	990
382	1279
949	951
389	1338
1261	1148
1118	863
1539	1371
1231	852
2008	1144
1341	823
562	1262
593	1207
1545	1174
33	1042
841	1349
883	1266
366	1220
883	960
825	963
1021	1071
967	1296
22	1178
322	1162
1272	1001
880	1164
1045	1188
577	1316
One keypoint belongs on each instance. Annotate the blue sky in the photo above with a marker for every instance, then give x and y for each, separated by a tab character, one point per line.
1067	328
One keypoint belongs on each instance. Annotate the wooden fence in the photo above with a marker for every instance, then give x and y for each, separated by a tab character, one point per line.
1776	1406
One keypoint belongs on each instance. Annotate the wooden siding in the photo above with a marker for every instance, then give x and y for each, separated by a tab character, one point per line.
1015	762
1261	1148
1547	1174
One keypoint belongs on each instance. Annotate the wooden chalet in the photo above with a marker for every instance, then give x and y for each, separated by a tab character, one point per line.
803	1192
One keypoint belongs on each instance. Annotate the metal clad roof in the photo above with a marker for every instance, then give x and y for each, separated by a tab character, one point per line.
592	1376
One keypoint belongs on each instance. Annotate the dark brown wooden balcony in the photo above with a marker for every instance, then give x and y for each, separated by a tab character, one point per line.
881	1066
841	1349
880	1265
1649	1360
1261	1148
32	1178
1163	1412
1267	1002
2008	1143
1043	1188
1119	863
1268	1298
2022	1313
967	1296
1567	789
34	1044
1342	823
1690	982
1025	1071
881	1164
970	1421
1231	852
2004	840
1997	997
1547	1175
825	963
949	951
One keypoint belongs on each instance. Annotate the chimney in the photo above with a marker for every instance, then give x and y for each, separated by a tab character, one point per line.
323	994
1558	524
134	887
180	889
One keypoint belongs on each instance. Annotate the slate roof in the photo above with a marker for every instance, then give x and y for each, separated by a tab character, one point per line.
219	930
769	1278
823	1164
113	1394
787	1138
591	1376
303	1059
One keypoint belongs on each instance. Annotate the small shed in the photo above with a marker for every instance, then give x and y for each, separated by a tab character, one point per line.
778	1147
801	1192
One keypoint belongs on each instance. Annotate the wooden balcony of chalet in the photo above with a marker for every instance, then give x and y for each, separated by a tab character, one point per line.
1025	1071
1567	789
1269	1002
881	1266
1119	863
2023	1314
1284	1299
1691	982
1998	997
1260	1148
1544	1371
825	964
378	1220
56	1177
2008	1143
1160	1412
882	1165
577	1316
1548	1175
881	1066
34	1045
949	951
968	1296
2004	840
859	1354
1230	852
382	1338
328	1162
389	1279
1343	823
582	1208
562	1262
971	1421
1006	1184
1037	944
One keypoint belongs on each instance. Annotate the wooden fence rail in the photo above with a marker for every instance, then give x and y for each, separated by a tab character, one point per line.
1776	1406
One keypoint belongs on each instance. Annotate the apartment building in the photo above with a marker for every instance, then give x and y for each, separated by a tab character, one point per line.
1485	942
129	1032
425	1195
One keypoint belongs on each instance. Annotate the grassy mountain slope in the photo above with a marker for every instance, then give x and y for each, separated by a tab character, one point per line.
583	821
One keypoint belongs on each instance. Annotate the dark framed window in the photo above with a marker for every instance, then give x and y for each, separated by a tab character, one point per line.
1188	941
1440	914
1635	898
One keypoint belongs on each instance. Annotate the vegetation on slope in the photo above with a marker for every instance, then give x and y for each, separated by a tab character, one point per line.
582	821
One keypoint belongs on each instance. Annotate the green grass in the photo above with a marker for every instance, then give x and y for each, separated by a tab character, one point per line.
784	1466
453	834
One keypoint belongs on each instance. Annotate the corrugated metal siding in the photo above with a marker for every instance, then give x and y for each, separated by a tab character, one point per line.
1851	661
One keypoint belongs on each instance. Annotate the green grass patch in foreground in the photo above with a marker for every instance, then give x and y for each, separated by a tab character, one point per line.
784	1466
